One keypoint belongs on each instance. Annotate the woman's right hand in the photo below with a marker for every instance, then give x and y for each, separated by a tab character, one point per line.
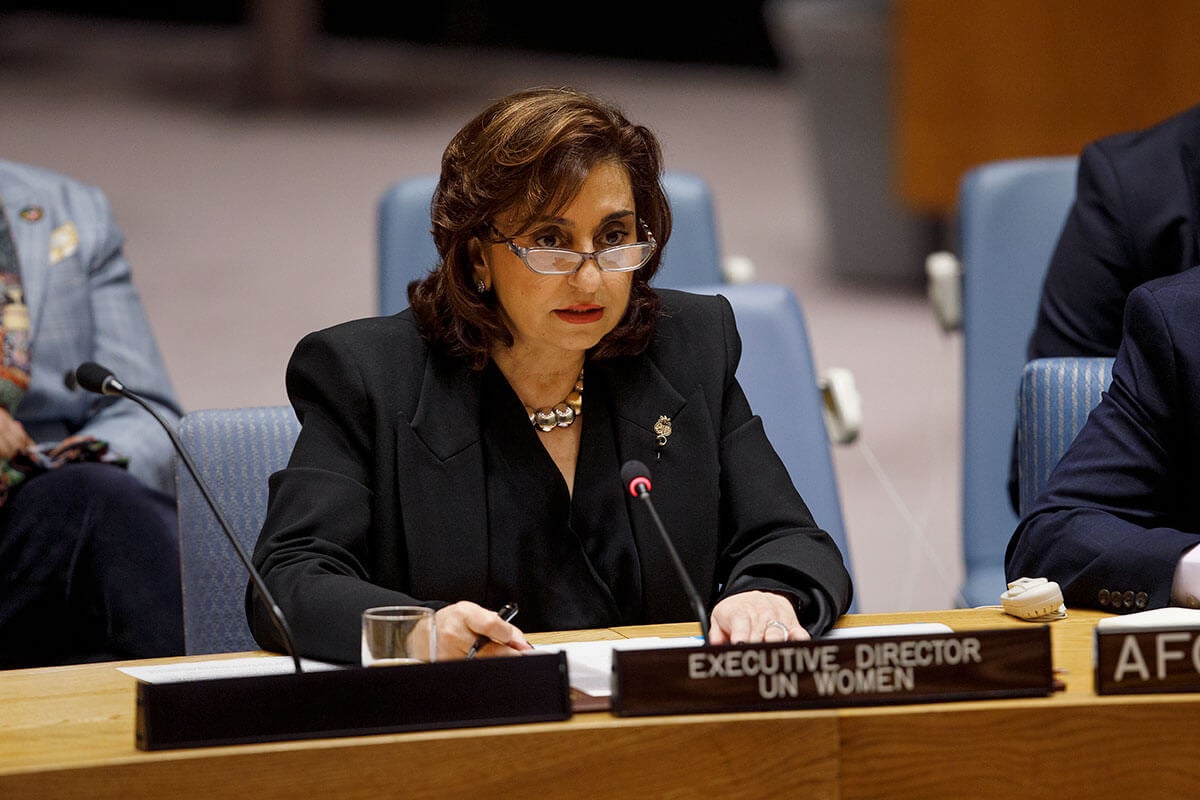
460	624
13	437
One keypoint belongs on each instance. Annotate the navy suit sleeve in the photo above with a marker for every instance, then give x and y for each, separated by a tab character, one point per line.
1116	514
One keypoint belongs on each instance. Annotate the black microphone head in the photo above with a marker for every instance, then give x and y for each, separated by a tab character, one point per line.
69	380
91	376
636	477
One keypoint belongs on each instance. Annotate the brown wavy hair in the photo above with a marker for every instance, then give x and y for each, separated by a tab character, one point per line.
530	153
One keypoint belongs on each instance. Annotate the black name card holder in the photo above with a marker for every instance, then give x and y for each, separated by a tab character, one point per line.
974	665
352	702
1147	661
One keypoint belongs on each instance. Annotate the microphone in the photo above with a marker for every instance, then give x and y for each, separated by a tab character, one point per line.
101	380
636	478
95	378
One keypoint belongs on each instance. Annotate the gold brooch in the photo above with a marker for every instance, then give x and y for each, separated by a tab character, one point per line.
662	429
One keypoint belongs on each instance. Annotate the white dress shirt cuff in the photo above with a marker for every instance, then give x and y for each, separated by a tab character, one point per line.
1185	589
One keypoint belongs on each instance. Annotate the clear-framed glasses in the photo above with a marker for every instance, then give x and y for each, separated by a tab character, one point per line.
560	261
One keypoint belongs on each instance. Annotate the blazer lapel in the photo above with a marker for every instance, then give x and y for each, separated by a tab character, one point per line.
641	396
686	493
444	493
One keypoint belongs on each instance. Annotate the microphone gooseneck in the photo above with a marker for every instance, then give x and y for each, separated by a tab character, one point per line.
101	380
636	478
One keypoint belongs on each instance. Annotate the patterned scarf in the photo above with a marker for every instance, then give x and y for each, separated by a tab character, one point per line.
14	323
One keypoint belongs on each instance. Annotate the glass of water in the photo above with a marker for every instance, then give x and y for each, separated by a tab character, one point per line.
398	635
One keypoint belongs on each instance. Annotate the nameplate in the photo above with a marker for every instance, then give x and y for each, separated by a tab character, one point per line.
1147	661
976	665
352	702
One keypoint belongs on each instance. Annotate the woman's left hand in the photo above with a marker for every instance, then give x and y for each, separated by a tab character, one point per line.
750	617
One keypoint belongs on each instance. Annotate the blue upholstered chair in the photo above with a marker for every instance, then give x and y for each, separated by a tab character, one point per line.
406	250
780	381
235	451
1057	395
1009	219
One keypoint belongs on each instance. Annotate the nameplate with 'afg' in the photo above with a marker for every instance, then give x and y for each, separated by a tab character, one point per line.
1148	661
975	665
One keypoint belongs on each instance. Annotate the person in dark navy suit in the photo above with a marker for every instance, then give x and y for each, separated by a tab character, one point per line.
1136	217
1118	522
466	452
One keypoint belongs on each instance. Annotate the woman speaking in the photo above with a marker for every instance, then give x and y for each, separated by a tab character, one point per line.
466	452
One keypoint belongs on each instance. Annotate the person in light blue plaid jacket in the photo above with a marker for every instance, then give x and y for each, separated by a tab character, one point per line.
89	554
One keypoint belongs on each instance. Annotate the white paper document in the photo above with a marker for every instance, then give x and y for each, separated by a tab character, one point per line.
244	667
902	629
589	664
1172	617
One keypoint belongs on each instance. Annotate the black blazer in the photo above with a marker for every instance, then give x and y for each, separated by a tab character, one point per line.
1123	503
383	501
1135	218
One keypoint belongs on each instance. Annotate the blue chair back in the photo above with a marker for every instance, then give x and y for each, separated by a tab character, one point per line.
780	381
235	451
407	252
1057	395
1010	216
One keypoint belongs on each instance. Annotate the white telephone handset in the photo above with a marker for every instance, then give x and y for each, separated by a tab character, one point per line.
1034	599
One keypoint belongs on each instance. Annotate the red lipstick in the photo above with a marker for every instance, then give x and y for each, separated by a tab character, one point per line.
582	314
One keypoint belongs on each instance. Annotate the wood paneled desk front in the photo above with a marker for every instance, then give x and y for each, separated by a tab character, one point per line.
68	732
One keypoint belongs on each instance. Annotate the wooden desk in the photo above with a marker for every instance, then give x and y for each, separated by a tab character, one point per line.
67	732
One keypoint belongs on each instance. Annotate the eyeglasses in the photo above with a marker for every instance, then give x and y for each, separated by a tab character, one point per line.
560	261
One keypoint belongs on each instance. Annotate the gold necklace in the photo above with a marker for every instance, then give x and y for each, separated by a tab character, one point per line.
563	414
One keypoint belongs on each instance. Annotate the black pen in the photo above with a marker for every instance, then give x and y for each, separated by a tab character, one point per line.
506	613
